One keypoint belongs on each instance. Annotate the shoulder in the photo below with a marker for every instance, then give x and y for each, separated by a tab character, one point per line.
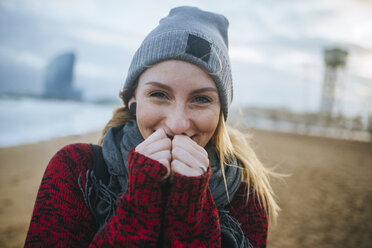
75	151
246	199
71	159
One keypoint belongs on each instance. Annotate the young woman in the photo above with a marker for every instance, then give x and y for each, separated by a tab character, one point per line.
168	172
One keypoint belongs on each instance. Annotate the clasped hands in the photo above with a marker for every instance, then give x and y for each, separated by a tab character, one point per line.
180	154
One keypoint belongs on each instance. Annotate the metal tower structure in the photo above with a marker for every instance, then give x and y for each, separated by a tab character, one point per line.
335	62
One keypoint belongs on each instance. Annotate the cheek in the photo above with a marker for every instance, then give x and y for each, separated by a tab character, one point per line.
207	126
147	118
207	122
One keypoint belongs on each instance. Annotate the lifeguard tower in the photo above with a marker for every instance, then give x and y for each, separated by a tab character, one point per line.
335	62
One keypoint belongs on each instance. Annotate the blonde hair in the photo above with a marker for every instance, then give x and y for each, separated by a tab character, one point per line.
229	142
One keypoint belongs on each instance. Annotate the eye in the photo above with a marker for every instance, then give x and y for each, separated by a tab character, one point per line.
158	94
201	99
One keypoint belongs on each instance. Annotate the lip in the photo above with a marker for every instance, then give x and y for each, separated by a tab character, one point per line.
194	138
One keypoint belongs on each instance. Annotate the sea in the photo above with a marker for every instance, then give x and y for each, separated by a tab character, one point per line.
25	120
29	119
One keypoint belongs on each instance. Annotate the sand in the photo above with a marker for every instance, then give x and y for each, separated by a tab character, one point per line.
326	202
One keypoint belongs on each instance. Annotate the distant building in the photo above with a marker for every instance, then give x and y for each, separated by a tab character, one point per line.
59	78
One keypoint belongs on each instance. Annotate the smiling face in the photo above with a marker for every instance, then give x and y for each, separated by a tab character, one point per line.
179	97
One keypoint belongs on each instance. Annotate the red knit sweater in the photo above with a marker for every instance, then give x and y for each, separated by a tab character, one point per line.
184	215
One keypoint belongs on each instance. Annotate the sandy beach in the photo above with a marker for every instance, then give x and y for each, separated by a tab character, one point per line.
326	201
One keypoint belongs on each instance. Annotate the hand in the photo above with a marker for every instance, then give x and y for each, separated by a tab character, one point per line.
188	158
157	147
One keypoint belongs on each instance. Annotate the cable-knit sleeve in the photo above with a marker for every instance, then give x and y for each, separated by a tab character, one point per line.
140	209
251	215
191	218
60	217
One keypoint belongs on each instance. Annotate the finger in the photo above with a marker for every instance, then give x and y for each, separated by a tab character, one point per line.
185	141
188	140
192	159
181	168
185	157
193	150
162	155
164	144
157	135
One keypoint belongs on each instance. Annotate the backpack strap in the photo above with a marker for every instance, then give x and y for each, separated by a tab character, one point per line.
99	165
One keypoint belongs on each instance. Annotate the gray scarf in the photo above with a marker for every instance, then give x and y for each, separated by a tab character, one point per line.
115	150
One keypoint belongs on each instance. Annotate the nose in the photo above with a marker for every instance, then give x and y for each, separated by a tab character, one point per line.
178	121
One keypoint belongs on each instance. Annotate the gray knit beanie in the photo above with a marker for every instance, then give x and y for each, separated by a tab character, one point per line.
192	35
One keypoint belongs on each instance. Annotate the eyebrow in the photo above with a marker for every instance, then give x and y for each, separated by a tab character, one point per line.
160	85
168	88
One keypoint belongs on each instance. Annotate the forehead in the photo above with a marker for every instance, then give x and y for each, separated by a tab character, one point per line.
176	73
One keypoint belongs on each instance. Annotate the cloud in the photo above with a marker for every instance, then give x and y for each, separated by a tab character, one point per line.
23	57
103	37
360	64
96	71
276	58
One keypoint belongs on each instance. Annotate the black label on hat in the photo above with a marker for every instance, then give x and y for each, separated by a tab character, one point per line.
198	47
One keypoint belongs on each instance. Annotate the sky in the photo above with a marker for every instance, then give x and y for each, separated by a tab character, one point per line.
276	46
